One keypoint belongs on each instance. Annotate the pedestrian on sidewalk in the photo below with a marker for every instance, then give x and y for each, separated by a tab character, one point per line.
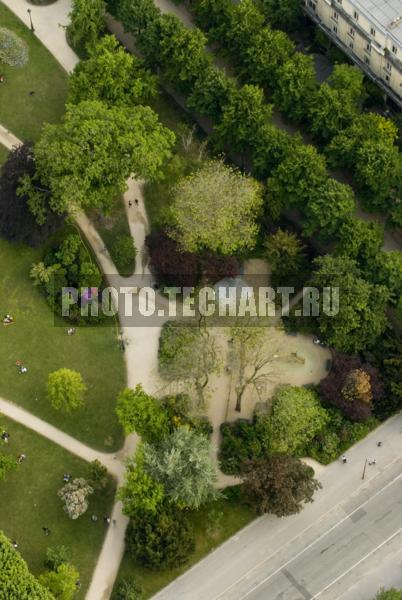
130	203
344	459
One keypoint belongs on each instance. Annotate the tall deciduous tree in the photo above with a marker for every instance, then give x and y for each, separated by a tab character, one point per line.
87	159
296	418
66	389
16	582
243	116
188	354
62	582
142	413
283	14
87	22
331	205
279	485
265	55
140	494
112	75
183	464
216	209
295	86
211	92
361	317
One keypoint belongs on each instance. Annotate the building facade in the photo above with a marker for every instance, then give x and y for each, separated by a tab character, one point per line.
370	32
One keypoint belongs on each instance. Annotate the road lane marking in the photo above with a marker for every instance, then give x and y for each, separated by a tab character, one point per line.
357	563
389	484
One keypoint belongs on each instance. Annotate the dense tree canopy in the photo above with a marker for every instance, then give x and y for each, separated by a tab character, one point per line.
295	86
286	257
160	541
62	582
296	417
361	318
87	22
112	75
140	494
87	159
142	413
216	209
328	208
17	222
66	389
16	582
182	463
278	485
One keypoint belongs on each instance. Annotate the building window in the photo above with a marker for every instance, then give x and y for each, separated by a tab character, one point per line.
356	15
394	49
351	45
367	60
335	29
372	31
387	78
368	48
388	66
352	32
312	5
335	15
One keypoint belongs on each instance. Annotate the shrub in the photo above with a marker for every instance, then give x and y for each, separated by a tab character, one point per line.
13	50
241	440
160	541
123	254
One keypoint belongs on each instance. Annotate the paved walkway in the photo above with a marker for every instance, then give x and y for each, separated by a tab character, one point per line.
8	139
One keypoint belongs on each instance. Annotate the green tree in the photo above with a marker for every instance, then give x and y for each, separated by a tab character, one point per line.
286	258
112	75
242	21
142	413
87	159
182	463
327	209
296	418
271	147
297	179
279	485
389	272
87	23
295	86
336	103
160	541
140	494
189	355
361	241
211	92
75	497
137	16
265	55
16	582
65	390
361	317
216	209
243	116
282	14
61	582
181	52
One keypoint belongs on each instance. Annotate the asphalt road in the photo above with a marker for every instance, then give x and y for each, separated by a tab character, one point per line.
322	568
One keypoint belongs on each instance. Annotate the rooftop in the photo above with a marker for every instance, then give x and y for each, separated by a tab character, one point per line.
387	13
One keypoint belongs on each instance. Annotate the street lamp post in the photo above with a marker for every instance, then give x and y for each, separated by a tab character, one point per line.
30	19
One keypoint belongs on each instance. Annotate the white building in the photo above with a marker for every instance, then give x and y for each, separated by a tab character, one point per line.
370	32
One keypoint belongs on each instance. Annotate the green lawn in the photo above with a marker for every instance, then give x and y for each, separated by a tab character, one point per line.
24	114
29	501
44	347
233	516
3	154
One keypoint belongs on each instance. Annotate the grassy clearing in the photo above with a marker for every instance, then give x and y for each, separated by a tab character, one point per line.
3	154
29	501
233	516
44	346
111	228
20	112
